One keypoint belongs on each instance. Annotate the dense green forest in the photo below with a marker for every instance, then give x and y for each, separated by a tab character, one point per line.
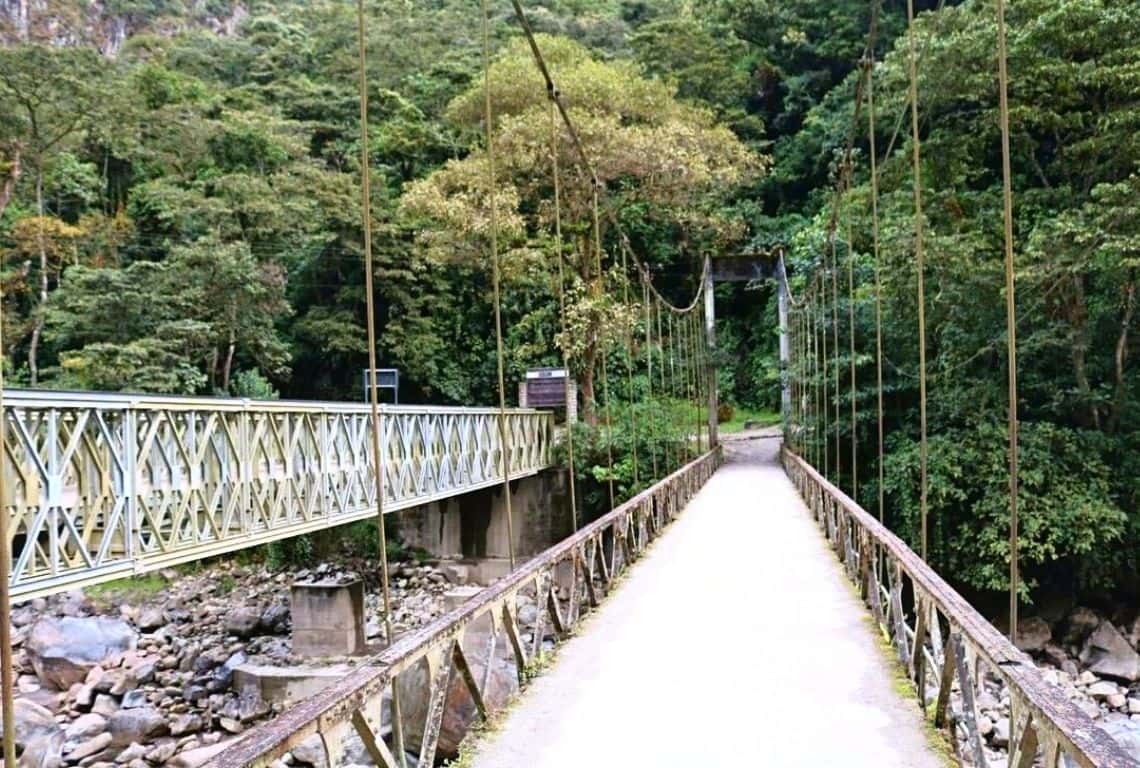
186	218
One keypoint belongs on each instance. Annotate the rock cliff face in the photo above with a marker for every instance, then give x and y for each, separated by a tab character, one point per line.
108	24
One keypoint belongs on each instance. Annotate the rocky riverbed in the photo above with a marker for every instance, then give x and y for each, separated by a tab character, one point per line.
113	678
1091	659
118	678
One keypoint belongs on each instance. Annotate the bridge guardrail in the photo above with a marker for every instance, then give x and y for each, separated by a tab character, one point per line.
568	579
1044	723
99	486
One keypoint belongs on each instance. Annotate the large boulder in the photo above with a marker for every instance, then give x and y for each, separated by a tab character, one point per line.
1108	654
142	725
243	621
39	737
459	708
63	651
1079	624
1032	634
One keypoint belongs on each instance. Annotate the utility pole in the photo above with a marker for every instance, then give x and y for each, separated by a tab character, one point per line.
710	360
785	356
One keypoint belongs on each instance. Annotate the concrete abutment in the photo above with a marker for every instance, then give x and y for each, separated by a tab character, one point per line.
474	527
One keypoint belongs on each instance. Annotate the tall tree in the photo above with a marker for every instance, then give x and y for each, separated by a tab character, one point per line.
646	147
48	94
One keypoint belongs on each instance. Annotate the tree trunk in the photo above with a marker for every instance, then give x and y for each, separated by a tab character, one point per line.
38	328
589	407
213	369
1078	317
1122	350
229	363
10	180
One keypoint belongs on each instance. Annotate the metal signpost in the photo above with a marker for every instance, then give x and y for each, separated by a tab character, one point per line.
385	378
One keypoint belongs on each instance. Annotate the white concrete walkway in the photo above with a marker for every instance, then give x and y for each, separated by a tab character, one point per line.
735	642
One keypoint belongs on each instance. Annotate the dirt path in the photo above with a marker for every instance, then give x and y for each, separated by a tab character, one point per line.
735	641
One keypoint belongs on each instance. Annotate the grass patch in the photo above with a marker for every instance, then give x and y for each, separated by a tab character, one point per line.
132	589
742	415
937	738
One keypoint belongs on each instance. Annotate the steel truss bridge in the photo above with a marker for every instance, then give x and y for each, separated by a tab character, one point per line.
101	486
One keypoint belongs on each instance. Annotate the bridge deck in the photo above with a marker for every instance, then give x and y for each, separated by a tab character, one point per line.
735	641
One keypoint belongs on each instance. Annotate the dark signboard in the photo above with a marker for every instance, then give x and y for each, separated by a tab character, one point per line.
385	378
546	388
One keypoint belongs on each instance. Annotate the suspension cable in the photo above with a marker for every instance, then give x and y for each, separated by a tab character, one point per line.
664	390
628	333
851	352
649	371
825	433
378	462
878	270
568	387
1010	314
834	270
916	160
496	275
7	688
601	349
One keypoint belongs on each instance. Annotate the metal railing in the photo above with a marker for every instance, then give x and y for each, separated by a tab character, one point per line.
100	486
934	629
565	582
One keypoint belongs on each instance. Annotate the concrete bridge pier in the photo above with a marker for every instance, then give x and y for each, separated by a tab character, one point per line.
473	526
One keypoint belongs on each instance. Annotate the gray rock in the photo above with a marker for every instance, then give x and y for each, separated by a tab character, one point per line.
37	735
184	724
141	725
85	727
144	673
1107	653
230	725
1079	624
135	751
161	752
275	619
1055	655
85	696
1000	736
1103	689
134	699
223	676
150	619
63	651
243	621
528	615
192	758
43	752
105	705
312	752
92	746
1032	634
